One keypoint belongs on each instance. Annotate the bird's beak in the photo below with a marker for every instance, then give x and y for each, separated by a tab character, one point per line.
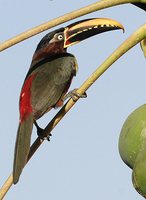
84	29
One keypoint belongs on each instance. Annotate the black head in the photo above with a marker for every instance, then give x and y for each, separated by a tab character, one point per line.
48	37
56	42
79	31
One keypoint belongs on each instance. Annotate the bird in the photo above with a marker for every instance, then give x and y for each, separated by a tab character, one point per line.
48	79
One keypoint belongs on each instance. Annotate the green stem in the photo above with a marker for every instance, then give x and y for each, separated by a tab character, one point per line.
67	17
135	38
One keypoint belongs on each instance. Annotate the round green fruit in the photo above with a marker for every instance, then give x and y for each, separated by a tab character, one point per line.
132	147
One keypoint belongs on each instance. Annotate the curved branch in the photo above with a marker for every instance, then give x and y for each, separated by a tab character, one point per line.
52	23
135	38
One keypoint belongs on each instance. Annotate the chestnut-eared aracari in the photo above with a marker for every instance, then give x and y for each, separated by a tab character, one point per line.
49	77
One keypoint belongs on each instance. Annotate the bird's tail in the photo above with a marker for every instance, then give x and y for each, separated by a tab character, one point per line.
22	146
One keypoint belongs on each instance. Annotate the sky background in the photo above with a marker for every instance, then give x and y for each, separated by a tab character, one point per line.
82	160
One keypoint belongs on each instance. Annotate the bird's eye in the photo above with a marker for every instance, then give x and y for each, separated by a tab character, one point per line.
60	37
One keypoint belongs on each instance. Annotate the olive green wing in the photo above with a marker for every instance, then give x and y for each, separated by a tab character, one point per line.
52	80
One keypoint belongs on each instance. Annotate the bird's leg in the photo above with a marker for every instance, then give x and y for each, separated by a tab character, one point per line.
40	132
73	94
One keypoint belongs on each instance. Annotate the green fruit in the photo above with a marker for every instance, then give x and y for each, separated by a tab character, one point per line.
132	147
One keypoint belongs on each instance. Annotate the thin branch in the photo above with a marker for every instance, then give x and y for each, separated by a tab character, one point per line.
67	17
5	188
135	38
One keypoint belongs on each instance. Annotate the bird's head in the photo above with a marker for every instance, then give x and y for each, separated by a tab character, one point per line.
56	42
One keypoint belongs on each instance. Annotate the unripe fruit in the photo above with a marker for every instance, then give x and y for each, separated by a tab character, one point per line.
132	147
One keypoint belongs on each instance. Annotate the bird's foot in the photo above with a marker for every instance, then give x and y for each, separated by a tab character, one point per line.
40	133
74	95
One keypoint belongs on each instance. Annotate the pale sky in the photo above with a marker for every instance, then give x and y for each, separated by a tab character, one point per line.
82	160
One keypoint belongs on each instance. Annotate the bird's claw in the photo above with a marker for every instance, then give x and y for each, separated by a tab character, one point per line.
40	133
74	95
42	137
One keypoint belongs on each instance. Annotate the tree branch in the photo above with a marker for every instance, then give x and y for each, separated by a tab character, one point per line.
135	38
67	17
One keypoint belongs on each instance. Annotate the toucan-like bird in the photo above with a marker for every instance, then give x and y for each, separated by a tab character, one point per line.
49	77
